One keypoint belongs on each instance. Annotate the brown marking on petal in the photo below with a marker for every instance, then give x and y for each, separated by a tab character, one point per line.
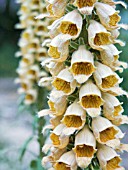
82	68
84	151
41	28
114	19
26	60
28	97
51	105
55	139
61	166
109	81
62	85
116	57
24	86
32	45
68	28
102	39
113	163
32	72
85	3
72	121
36	2
108	134
53	52
91	101
117	110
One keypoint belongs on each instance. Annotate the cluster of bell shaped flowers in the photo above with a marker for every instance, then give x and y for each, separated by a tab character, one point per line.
31	52
85	113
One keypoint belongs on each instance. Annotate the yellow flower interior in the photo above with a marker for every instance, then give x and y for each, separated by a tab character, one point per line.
117	110
109	81
67	27
26	60
61	166
51	105
41	28
55	139
49	9
33	45
113	163
91	101
82	68
26	35
24	86
72	121
62	85
114	19
29	97
53	52
102	38
32	72
108	134
85	3
84	151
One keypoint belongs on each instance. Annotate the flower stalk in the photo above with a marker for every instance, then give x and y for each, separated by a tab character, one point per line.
85	127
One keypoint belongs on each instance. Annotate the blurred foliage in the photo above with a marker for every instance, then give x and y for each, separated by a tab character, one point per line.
8	37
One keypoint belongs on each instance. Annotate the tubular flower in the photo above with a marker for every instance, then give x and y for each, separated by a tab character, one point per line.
98	36
31	52
59	139
56	8
71	24
108	15
106	132
85	7
85	147
105	78
83	106
64	82
90	98
82	64
57	102
74	118
108	158
64	164
58	49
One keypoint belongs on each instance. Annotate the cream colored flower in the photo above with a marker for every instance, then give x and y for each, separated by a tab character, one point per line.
108	15
54	156
65	82
74	118
25	85
85	147
108	158
57	102
55	67
84	6
90	98
41	28
33	45
98	36
41	53
30	96
109	56
33	72
112	107
105	78
59	139
26	61
113	3
66	161
106	133
58	49
56	120
56	8
82	64
71	24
